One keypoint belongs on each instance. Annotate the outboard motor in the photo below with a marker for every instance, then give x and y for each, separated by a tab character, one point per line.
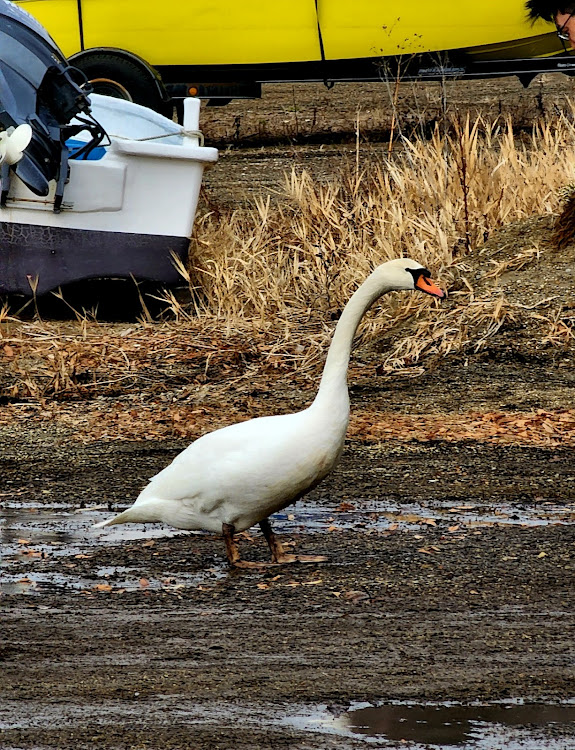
40	93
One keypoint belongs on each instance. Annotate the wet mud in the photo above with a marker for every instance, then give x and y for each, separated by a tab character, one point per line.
449	578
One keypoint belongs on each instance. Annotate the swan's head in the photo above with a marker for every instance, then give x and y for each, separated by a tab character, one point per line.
404	273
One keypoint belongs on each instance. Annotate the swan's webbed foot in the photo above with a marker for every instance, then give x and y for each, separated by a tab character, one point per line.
279	555
248	564
287	558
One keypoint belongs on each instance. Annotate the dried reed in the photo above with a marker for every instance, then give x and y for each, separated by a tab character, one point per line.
279	273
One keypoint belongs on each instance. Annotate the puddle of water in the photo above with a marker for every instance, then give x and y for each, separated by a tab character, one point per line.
110	579
66	530
453	726
381	514
29	532
63	530
509	726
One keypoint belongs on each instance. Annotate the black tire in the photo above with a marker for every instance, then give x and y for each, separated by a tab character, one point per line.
118	76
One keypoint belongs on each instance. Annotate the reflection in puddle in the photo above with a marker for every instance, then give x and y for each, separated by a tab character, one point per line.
446	726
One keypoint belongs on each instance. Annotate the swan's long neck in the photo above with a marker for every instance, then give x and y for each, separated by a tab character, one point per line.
334	378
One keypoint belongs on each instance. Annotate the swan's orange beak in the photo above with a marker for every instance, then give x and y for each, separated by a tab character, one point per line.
425	284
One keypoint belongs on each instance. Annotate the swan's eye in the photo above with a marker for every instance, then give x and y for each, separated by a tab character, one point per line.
417	272
425	273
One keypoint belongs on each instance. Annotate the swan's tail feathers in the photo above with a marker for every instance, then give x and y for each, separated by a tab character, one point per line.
124	517
142	511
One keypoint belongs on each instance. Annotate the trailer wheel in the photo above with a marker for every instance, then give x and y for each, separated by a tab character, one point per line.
123	76
109	87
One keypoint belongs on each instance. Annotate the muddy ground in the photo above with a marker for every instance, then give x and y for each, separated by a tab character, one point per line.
449	574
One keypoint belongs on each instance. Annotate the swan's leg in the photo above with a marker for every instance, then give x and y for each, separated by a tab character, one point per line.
232	551
276	547
279	555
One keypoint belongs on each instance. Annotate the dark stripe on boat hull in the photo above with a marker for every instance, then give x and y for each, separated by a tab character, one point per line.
58	256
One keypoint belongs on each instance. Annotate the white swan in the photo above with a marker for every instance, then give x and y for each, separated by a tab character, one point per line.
237	476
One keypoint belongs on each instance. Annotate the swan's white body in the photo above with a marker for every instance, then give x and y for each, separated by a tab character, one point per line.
241	474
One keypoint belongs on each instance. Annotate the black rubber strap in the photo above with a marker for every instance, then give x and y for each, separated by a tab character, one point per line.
80	24
327	84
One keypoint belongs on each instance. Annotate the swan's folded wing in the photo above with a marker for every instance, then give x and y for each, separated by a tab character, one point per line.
246	459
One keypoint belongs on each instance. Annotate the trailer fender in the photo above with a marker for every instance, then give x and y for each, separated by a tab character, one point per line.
124	75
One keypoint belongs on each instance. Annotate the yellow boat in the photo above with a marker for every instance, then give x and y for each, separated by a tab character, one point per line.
228	49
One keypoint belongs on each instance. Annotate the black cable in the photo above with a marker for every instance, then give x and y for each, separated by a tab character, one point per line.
96	131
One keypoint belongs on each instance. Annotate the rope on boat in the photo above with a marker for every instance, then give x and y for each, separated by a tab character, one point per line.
190	133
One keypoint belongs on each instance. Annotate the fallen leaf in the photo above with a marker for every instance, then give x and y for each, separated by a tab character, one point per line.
102	587
356	596
342	507
542	554
144	583
410	518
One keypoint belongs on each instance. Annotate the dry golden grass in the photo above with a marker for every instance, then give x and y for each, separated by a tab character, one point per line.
268	282
305	253
299	258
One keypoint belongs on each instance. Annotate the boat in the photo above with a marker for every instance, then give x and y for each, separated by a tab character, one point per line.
105	188
224	49
127	209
